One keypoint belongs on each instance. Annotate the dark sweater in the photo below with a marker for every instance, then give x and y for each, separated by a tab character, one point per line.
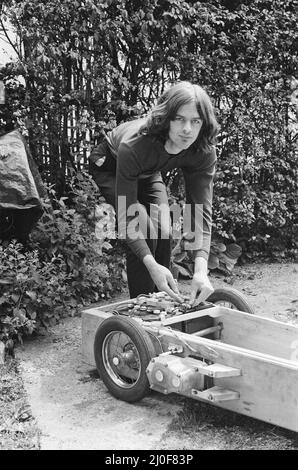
140	155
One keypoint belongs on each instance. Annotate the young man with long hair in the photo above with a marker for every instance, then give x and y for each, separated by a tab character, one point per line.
179	132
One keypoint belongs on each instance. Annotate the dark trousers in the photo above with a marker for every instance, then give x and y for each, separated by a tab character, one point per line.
151	190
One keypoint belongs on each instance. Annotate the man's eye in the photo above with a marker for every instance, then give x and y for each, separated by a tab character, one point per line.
196	121
177	118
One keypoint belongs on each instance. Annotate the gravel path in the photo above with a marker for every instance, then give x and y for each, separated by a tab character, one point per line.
72	406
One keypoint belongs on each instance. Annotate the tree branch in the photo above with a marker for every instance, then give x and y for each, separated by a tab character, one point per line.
9	40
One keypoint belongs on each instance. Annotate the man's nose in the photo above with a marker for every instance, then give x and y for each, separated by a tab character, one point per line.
187	127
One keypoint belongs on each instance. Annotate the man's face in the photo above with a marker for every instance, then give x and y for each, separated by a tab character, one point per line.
184	129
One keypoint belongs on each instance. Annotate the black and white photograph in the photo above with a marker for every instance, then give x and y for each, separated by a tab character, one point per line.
149	228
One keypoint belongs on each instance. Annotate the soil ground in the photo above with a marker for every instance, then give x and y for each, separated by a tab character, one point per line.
72	409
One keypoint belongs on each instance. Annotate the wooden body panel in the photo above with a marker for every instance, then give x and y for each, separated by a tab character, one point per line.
259	334
266	352
268	385
91	319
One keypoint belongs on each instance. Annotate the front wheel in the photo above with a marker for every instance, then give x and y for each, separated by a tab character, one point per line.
231	298
122	351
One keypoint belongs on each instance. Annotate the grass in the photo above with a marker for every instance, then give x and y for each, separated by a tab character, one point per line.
18	429
203	426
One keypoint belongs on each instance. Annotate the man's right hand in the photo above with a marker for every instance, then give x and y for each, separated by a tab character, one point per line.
162	278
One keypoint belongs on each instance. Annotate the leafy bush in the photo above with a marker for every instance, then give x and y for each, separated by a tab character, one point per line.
221	257
32	293
68	265
243	53
259	218
70	231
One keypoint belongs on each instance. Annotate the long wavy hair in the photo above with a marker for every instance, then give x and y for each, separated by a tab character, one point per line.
166	108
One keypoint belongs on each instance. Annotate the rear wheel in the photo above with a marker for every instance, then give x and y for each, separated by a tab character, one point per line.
123	350
231	298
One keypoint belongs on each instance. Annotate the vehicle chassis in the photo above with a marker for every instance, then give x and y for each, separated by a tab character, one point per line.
237	361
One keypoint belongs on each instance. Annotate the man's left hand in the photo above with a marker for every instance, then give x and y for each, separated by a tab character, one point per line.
200	283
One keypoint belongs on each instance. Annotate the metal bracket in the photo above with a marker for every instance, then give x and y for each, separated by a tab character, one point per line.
219	370
216	394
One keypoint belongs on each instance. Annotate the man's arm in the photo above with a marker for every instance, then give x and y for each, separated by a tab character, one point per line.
128	169
199	191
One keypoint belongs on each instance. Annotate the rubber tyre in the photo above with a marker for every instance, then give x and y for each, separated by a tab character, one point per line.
145	349
233	296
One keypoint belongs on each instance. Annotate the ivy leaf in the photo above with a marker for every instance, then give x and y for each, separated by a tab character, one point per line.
15	298
183	271
31	294
213	261
20	313
180	257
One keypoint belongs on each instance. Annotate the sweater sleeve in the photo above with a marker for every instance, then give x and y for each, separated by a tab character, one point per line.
128	170
199	192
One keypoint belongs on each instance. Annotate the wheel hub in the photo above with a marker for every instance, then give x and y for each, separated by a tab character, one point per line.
116	361
129	358
126	358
